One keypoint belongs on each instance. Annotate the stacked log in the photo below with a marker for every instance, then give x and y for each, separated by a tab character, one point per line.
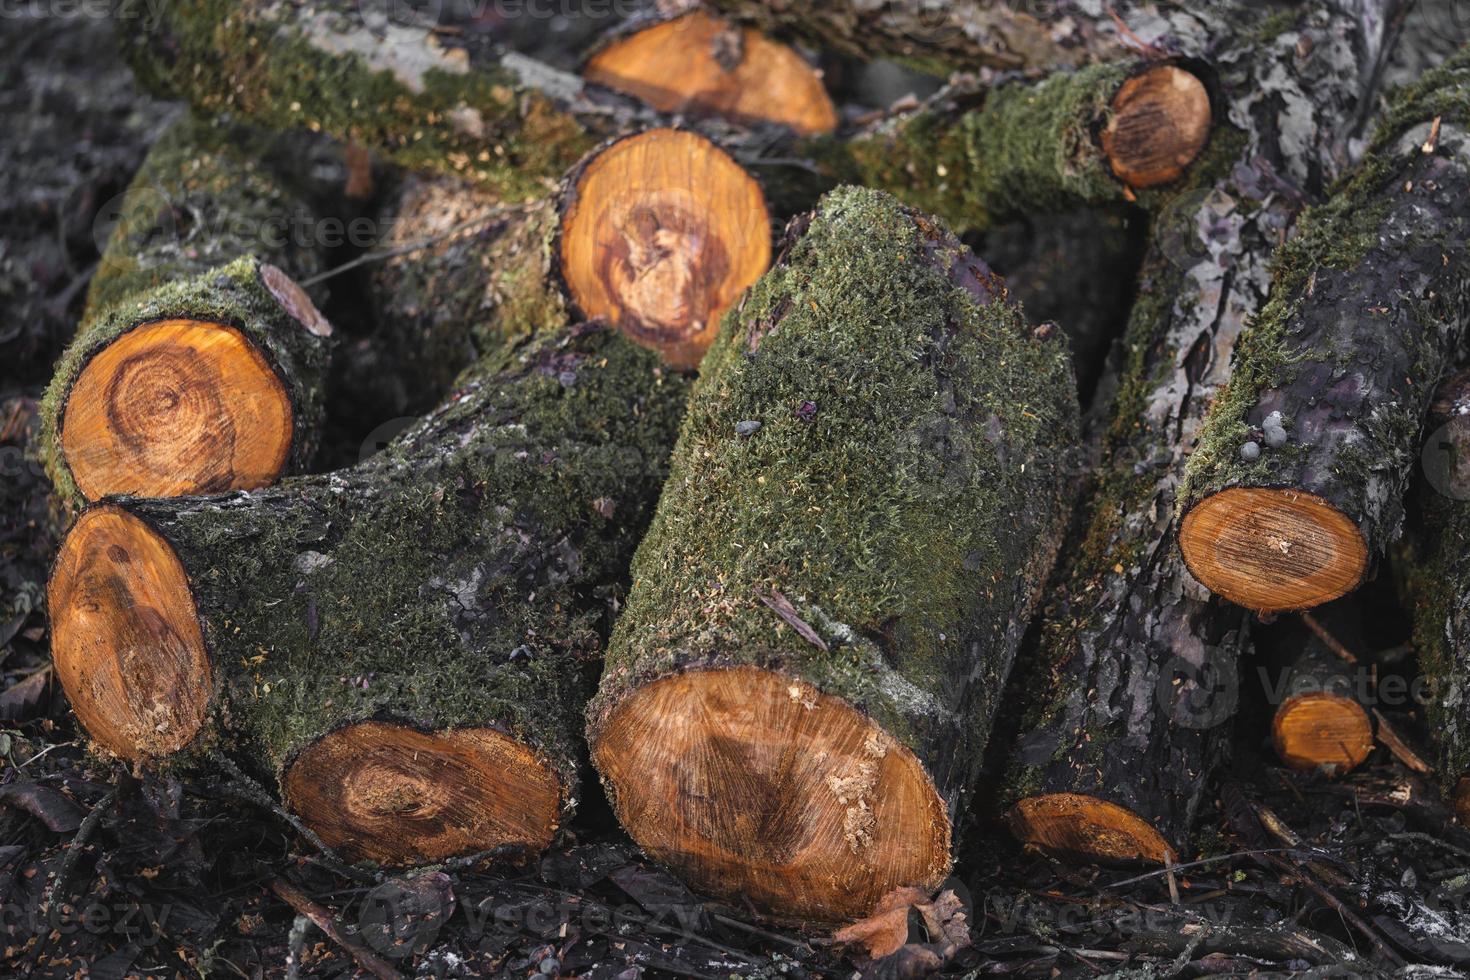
1299	478
199	363
1320	723
866	496
403	646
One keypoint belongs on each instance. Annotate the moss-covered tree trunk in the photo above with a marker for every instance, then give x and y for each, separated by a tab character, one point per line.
404	645
1432	566
191	371
865	498
1300	474
1134	682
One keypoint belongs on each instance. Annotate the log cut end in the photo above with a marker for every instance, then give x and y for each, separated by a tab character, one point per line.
176	407
752	784
1322	730
1084	828
125	637
701	64
1273	550
1159	124
387	792
661	233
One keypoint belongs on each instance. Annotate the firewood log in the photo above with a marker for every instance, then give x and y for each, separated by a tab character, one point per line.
1299	478
1320	723
404	645
658	233
1432	566
192	372
865	498
700	64
1132	688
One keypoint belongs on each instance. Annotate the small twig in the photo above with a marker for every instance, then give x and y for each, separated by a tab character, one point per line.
1328	639
323	920
390	253
1201	862
79	841
1400	749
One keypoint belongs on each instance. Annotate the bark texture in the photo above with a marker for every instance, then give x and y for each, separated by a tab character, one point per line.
461	578
1368	310
1433	571
876	535
1133	684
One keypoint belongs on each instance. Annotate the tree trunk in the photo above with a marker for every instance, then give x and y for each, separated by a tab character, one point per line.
1433	571
1134	681
405	645
658	233
190	372
840	570
1320	723
1299	477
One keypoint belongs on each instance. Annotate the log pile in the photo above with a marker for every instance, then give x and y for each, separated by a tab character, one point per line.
878	496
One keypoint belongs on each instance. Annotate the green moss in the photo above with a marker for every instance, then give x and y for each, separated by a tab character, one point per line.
903	490
404	95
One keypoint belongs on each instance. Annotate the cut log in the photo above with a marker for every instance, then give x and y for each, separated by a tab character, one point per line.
699	64
974	153
1299	477
404	645
840	569
1320	723
190	372
1131	689
658	233
1432	567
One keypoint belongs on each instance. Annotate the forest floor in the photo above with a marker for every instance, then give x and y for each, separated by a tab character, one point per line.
106	875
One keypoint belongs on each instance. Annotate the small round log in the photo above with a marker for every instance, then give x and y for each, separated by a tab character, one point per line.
841	568
699	64
1320	725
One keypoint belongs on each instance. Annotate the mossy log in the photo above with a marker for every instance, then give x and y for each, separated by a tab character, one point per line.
1299	478
866	495
1432	566
699	64
404	645
199	363
1131	688
658	233
1320	723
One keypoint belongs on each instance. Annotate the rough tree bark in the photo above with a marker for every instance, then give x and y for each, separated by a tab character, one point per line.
192	372
1299	478
1134	680
405	645
866	496
658	233
1433	571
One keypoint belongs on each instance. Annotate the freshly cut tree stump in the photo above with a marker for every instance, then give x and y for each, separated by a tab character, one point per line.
658	233
190	372
1320	724
1432	567
405	645
1302	466
700	64
975	153
866	495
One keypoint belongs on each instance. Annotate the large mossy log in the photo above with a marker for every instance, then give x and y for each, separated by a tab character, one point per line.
1432	566
658	233
193	372
865	498
1299	478
405	645
1132	686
